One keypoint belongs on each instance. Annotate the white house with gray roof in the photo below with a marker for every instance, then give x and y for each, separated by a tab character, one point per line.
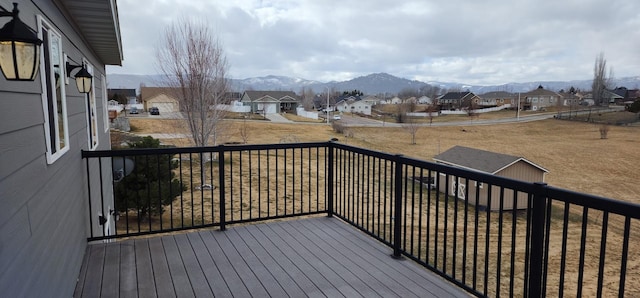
499	164
270	102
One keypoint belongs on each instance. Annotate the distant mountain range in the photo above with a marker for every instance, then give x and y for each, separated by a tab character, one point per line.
376	83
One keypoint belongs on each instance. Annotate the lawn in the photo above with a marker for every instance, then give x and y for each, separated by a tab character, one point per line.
573	152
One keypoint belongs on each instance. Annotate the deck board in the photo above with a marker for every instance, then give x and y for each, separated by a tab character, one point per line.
181	283
128	277
313	257
111	273
161	274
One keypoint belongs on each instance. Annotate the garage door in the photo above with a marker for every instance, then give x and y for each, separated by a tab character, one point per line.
165	107
271	108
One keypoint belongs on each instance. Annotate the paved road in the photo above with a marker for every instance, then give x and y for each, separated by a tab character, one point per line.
366	122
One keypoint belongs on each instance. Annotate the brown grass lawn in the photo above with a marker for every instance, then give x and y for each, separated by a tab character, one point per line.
573	152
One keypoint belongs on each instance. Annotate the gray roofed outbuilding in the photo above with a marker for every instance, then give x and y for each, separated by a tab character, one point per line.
476	192
480	160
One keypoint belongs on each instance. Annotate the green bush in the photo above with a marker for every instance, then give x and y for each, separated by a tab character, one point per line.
151	185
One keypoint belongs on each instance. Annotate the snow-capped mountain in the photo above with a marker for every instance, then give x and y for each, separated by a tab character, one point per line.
272	83
376	83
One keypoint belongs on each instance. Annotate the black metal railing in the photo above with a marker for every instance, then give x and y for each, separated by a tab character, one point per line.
490	235
169	189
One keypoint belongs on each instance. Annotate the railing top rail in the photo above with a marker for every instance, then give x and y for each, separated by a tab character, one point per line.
484	177
623	208
372	153
219	148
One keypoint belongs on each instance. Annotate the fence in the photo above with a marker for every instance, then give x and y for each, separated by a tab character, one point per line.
560	243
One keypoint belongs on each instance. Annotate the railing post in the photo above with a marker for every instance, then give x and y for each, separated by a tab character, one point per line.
537	240
330	181
221	186
397	209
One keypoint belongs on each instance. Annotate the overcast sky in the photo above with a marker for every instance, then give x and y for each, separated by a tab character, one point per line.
464	41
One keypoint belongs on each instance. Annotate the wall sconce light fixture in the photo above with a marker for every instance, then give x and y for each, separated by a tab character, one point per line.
83	77
19	48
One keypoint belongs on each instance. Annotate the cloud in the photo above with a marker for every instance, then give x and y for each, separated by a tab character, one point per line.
475	42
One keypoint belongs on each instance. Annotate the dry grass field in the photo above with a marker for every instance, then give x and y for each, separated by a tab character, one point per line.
573	152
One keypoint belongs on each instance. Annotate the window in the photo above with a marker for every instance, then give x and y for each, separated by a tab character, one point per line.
105	103
92	115
54	102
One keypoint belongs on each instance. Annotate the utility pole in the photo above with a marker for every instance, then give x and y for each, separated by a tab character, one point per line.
327	109
518	108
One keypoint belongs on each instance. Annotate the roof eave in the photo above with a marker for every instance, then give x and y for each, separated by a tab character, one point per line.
98	23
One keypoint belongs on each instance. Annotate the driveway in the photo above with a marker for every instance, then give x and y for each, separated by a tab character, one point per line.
277	118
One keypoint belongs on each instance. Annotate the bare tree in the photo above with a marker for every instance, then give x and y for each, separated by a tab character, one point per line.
412	127
600	79
195	68
307	98
244	130
431	110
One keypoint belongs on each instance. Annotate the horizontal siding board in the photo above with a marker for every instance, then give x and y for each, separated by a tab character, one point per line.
15	192
56	250
19	147
55	198
14	235
19	111
60	247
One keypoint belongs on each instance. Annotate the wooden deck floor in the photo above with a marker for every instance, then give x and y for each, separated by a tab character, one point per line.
314	257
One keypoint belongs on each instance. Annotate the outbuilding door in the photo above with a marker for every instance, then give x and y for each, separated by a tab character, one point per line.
458	183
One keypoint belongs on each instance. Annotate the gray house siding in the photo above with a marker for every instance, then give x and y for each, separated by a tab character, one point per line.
43	213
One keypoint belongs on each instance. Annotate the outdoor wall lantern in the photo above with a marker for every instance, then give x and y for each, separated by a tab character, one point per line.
19	48
83	77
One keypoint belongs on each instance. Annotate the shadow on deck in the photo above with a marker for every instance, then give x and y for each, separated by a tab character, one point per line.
313	257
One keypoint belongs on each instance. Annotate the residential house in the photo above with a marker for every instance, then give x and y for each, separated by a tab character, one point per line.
628	95
425	100
372	99
498	98
270	102
457	100
571	99
540	98
353	104
410	100
499	164
611	97
394	101
45	123
163	98
123	96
